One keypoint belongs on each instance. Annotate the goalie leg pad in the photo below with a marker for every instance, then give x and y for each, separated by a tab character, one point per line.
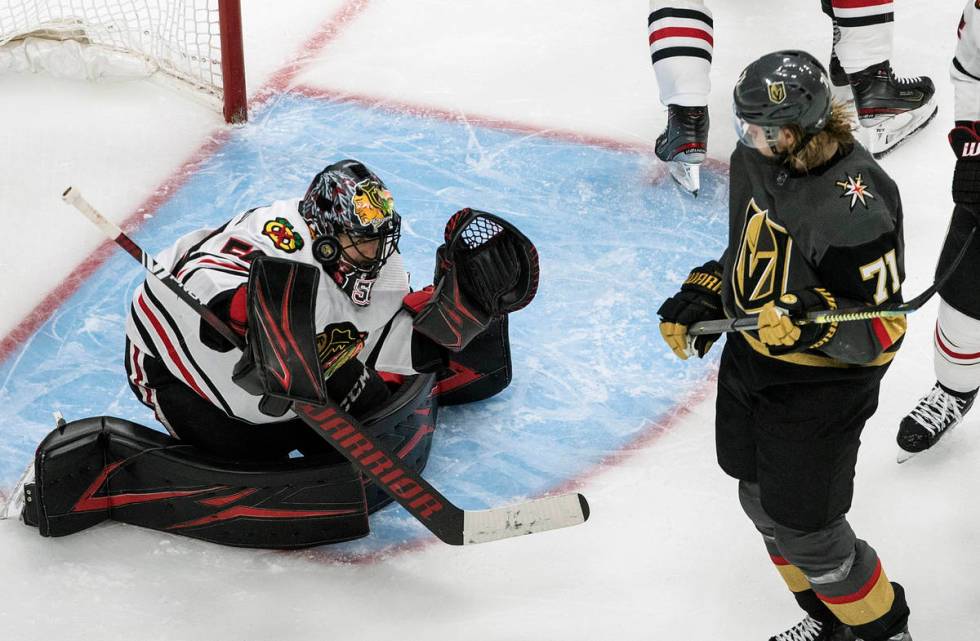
107	468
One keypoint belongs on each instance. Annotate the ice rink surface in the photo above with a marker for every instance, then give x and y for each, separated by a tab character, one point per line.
544	113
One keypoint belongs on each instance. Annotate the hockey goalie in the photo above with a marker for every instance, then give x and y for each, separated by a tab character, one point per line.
314	291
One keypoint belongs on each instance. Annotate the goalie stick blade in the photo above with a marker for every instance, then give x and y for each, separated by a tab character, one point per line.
539	515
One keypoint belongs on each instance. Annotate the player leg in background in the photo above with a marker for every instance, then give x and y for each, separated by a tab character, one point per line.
956	345
681	45
889	108
956	355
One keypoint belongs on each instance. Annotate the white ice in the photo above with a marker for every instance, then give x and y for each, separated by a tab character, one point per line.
668	553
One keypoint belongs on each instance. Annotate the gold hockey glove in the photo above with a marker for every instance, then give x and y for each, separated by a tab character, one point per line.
783	336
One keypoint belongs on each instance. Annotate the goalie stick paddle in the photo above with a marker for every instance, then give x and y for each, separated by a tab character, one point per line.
451	524
888	310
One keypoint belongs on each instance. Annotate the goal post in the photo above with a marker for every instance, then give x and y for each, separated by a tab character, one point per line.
195	43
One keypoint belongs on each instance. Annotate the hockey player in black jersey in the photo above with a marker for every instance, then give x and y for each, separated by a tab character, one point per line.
815	224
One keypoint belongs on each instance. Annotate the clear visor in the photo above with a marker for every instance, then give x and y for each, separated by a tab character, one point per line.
757	137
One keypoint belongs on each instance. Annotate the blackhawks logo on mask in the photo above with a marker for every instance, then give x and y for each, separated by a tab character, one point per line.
283	236
373	203
336	345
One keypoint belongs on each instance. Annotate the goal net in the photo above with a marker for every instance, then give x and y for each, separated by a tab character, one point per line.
195	42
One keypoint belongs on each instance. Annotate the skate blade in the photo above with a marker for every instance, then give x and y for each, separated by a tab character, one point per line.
884	136
687	175
843	94
904	456
14	504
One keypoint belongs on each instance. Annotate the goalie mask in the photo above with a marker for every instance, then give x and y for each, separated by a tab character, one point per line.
356	227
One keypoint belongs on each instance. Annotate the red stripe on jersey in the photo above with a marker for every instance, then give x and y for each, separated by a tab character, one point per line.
950	352
136	365
145	392
681	32
174	356
778	560
855	596
858	4
235	266
211	261
881	333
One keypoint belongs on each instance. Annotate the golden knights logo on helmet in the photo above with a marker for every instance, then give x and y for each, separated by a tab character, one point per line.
777	92
762	266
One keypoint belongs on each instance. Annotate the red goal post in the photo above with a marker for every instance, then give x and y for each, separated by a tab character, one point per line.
195	43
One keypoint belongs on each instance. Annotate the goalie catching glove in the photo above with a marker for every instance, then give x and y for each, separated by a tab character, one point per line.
486	269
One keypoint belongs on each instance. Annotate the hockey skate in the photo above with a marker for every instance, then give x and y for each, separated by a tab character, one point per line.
933	416
683	145
890	109
809	629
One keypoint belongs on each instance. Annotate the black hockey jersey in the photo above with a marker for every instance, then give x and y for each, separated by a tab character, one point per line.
839	228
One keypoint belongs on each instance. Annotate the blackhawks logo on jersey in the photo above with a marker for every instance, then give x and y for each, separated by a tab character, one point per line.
337	344
856	190
762	265
373	203
282	234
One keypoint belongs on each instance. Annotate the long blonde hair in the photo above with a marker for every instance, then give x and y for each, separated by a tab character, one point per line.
820	148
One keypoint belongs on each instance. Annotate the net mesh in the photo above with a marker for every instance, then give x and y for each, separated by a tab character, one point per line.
479	231
180	38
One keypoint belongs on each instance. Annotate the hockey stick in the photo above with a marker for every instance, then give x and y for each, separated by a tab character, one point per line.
450	523
888	310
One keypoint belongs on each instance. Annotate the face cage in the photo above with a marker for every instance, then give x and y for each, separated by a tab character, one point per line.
370	266
357	281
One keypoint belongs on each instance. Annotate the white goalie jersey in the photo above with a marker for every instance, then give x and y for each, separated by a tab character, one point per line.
164	333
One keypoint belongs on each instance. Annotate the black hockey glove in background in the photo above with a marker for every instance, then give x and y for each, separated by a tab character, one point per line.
699	300
781	335
965	141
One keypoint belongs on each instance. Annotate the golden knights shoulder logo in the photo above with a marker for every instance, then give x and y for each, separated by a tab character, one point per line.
373	204
856	190
762	265
280	231
777	92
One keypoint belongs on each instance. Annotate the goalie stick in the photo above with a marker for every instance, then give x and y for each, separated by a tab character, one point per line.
451	524
888	310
